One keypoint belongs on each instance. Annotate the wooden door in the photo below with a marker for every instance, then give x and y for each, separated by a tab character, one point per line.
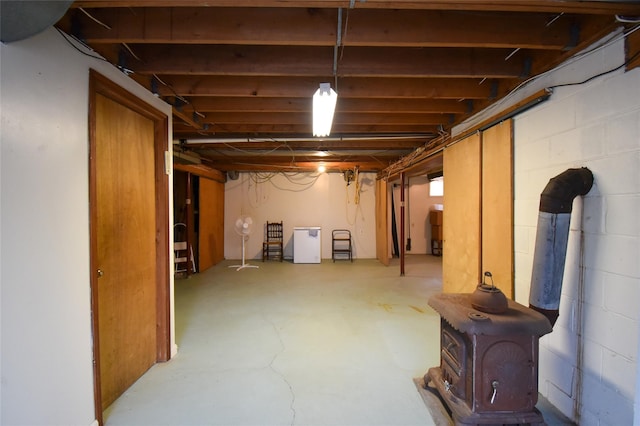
382	227
211	225
129	238
461	217
126	246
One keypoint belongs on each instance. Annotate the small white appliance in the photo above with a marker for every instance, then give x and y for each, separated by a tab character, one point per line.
306	244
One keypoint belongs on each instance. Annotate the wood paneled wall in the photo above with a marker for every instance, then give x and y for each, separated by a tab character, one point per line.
382	237
478	210
497	205
461	216
211	226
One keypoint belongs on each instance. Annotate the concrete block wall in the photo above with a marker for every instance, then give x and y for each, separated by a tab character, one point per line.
588	364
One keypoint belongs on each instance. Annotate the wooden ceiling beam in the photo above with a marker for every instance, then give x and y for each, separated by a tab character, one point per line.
201	170
214	159
304	87
370	165
246	70
317	27
312	145
189	119
311	61
552	6
290	130
221	104
302	118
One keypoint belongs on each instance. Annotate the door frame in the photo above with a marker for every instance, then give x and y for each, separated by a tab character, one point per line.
99	84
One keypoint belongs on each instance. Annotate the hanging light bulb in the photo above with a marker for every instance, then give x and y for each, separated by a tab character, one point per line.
324	104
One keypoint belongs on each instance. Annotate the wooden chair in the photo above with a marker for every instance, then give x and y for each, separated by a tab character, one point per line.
272	247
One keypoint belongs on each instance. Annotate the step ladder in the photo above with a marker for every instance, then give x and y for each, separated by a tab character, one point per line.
182	251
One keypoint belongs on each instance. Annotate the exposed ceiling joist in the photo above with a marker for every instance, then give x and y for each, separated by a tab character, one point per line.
406	72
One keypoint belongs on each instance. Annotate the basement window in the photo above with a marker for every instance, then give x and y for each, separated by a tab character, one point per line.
436	187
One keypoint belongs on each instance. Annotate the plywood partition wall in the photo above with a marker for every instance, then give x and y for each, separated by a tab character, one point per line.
211	224
382	239
461	217
497	205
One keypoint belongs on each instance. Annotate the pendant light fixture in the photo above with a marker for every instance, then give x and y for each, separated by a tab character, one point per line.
324	104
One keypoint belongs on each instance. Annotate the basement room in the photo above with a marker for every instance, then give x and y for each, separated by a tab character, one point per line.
320	212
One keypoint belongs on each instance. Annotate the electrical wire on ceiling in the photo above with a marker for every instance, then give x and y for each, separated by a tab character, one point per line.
554	19
346	27
304	185
356	179
93	18
356	197
127	71
258	153
344	157
69	38
336	48
407	161
516	50
418	155
257	180
126	46
570	61
177	96
627	62
284	141
262	177
285	168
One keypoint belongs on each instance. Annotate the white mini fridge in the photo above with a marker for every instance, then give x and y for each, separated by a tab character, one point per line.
306	244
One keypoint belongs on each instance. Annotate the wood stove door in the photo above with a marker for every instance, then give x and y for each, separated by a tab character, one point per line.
453	361
507	379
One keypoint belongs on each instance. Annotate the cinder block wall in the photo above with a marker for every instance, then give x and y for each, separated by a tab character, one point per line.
594	125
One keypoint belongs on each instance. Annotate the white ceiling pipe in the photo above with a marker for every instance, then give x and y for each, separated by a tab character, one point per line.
310	139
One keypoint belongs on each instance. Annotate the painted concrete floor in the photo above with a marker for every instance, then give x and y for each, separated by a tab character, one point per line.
295	344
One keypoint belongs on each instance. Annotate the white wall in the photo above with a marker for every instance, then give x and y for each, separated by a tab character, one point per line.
47	375
301	199
594	125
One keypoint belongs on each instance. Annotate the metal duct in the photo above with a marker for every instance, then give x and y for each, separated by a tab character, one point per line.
22	19
552	238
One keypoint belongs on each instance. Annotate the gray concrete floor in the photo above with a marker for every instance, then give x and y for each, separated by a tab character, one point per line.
294	344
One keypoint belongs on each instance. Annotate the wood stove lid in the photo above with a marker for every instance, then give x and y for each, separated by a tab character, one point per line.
456	309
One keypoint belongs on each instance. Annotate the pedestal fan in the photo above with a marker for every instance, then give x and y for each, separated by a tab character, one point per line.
243	226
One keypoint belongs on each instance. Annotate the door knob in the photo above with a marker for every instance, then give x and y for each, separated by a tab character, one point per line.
100	273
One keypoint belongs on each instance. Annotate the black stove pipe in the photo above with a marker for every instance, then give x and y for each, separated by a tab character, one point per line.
552	239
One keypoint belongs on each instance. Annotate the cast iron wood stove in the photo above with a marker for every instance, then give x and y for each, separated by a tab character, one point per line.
488	371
